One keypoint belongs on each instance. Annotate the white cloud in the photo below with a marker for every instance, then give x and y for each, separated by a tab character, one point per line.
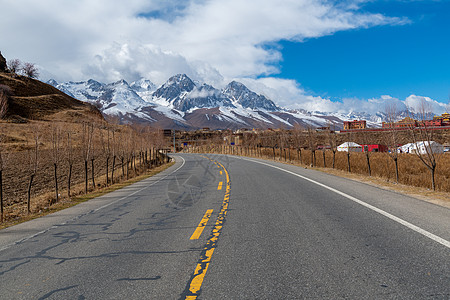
417	103
133	61
212	41
226	35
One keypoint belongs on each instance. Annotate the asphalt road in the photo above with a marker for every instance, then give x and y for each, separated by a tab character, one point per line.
224	227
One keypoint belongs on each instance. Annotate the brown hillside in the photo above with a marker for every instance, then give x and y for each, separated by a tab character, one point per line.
33	99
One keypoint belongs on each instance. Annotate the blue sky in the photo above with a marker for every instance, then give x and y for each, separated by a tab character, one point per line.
323	55
369	62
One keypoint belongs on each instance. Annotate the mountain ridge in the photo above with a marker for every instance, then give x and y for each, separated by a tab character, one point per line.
184	104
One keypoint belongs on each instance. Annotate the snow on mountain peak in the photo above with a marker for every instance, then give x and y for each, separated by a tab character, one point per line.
182	103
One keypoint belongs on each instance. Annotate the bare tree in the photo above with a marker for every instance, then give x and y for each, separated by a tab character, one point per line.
14	65
5	92
349	149
56	153
106	147
33	156
114	154
312	144
30	70
422	137
93	157
366	141
392	135
87	135
4	155
70	160
332	141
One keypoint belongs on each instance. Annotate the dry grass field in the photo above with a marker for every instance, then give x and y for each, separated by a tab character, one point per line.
133	152
412	172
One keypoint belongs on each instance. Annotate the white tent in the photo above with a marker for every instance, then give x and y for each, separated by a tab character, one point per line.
350	147
407	148
422	147
434	147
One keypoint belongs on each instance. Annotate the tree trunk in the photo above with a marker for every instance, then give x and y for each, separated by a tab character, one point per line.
396	169
324	160
334	158
123	168
93	176
368	164
273	148
30	183
85	176
68	180
56	184
112	170
433	182
128	168
107	170
348	162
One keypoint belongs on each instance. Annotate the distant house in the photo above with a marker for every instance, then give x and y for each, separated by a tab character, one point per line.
422	147
355	124
444	118
350	147
375	148
405	123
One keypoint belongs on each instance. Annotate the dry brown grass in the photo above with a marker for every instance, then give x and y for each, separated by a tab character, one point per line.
16	144
414	176
40	203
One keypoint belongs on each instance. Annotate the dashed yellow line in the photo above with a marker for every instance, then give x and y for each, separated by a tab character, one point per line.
219	187
198	231
192	290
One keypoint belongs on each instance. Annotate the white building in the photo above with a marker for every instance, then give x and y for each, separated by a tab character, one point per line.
422	147
350	147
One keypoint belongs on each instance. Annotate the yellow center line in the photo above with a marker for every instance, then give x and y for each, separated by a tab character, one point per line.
221	173
192	290
219	187
198	231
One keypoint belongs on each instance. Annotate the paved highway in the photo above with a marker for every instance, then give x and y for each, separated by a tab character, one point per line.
224	227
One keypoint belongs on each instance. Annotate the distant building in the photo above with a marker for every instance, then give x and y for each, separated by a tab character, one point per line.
375	148
405	123
355	124
445	119
349	147
438	121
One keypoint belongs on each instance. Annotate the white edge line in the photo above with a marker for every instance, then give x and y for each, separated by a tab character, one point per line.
380	211
91	211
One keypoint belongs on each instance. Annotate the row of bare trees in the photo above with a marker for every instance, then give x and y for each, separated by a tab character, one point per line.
78	154
315	142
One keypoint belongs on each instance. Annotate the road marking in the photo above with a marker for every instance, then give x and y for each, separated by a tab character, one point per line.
417	229
220	172
192	290
219	187
198	231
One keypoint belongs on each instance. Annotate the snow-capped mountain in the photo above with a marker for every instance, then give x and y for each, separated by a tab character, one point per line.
239	93
183	103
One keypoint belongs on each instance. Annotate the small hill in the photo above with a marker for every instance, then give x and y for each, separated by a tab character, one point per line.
35	100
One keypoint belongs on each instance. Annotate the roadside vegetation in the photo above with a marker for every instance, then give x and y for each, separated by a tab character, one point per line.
44	164
301	147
